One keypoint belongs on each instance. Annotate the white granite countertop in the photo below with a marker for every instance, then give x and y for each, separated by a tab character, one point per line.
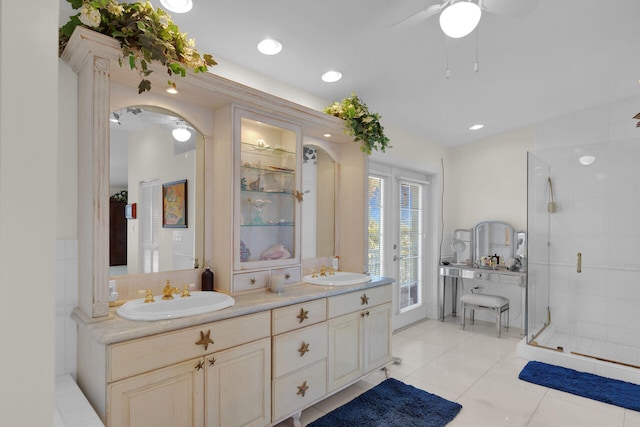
117	329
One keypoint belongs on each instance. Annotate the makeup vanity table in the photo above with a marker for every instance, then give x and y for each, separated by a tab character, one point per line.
472	248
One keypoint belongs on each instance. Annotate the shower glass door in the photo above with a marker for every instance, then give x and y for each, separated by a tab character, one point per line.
537	252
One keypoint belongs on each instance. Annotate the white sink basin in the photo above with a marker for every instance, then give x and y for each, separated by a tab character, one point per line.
197	303
340	278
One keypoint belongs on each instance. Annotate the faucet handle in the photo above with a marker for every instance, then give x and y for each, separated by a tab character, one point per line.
149	296
185	291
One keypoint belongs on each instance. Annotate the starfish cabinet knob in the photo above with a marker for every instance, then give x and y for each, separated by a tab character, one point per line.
365	299
302	389
304	314
205	339
303	348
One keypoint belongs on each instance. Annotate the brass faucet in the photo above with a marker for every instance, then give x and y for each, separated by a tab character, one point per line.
323	271
332	271
314	273
168	291
149	297
185	291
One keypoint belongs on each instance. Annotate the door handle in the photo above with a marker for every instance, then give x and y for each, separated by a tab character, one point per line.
579	266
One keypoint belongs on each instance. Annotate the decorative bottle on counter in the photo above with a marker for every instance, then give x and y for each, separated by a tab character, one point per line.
207	279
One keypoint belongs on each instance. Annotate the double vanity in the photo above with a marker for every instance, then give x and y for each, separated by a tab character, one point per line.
258	203
260	361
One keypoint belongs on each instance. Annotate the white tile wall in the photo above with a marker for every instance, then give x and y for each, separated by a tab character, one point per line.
66	293
598	211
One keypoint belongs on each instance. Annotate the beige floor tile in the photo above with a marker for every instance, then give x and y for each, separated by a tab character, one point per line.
556	411
479	414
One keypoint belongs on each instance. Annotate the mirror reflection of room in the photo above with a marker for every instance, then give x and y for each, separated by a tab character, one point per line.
152	148
318	209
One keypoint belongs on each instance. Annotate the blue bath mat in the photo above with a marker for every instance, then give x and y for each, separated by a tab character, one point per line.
392	403
607	390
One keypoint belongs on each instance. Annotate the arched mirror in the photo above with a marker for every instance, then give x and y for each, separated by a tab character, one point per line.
157	192
494	239
318	209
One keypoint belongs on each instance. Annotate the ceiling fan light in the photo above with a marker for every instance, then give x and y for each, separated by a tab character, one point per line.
177	6
460	19
181	134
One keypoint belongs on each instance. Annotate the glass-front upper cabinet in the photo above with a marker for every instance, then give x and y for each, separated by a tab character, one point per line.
268	182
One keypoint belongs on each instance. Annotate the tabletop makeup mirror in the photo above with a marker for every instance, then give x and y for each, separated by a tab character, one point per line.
462	246
318	209
157	169
494	243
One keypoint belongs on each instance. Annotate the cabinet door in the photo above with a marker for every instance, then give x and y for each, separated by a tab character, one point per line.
345	350
267	229
171	397
377	337
238	384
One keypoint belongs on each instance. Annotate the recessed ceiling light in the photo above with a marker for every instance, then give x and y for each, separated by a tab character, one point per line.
587	159
476	127
177	6
331	76
172	89
269	47
327	135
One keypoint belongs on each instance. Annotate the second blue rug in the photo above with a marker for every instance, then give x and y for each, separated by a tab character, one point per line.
607	390
389	404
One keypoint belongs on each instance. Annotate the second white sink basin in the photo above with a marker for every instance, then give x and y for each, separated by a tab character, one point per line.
340	278
197	303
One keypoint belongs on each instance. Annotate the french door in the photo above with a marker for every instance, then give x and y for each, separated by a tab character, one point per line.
397	238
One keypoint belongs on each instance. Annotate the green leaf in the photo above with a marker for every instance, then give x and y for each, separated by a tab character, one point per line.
132	61
67	29
145	85
76	4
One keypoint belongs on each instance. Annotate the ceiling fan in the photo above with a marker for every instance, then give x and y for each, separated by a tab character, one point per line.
459	18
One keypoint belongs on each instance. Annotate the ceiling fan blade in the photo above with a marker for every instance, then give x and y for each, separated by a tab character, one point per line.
418	17
509	7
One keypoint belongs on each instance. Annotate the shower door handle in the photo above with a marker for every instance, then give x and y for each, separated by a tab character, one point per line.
579	266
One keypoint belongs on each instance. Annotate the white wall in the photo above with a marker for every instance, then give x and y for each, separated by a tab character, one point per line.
487	180
28	144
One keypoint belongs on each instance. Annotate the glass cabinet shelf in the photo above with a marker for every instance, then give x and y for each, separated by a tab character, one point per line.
268	171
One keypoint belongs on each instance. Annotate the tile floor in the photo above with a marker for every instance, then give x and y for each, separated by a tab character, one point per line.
476	369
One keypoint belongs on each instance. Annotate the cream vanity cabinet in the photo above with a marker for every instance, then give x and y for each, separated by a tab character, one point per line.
299	357
193	377
359	329
258	192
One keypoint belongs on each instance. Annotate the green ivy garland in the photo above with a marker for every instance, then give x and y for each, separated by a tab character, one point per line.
144	34
363	125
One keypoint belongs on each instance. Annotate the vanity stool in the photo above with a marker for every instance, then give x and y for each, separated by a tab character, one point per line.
494	303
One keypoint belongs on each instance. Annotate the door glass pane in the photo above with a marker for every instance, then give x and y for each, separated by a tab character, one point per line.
410	244
376	221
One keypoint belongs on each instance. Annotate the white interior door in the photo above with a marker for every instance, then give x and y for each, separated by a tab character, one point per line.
398	238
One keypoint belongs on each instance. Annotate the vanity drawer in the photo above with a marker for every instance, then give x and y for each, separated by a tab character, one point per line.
250	281
146	354
299	315
299	389
354	301
296	349
291	274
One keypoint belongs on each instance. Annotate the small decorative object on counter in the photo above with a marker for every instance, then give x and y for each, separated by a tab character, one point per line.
277	283
207	278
